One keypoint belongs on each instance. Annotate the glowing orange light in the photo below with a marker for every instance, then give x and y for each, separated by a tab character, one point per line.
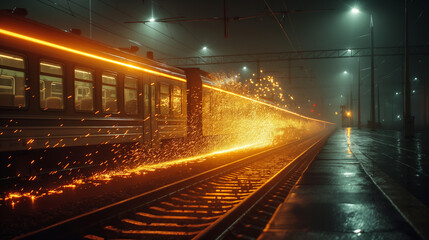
86	54
263	103
349	114
348	133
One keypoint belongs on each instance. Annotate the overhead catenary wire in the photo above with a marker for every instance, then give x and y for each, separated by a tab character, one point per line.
81	17
130	29
292	26
287	36
148	26
296	37
85	19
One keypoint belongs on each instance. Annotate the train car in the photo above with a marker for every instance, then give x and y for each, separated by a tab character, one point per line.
60	90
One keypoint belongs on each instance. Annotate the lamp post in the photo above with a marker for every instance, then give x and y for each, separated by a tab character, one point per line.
408	120
372	105
372	114
359	123
351	97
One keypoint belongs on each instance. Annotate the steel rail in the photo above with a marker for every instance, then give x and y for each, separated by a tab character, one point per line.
220	227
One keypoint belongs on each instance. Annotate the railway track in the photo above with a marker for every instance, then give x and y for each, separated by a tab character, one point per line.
230	201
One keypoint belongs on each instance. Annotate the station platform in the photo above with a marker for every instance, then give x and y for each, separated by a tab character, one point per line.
362	185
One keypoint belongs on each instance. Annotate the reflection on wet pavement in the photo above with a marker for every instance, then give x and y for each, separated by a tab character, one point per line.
335	199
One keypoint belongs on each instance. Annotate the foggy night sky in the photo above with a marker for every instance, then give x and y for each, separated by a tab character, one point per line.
323	80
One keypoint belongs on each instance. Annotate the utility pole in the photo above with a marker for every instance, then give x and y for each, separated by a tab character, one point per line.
426	102
359	123
372	113
408	122
225	20
378	106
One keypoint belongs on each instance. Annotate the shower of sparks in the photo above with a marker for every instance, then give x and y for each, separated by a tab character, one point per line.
265	88
233	121
105	177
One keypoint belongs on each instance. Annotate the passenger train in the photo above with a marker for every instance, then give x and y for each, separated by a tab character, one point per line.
61	90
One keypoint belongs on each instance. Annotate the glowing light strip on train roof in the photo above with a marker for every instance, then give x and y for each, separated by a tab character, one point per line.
86	54
263	103
90	55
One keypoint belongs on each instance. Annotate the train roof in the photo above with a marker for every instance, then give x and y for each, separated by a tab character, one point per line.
19	27
26	29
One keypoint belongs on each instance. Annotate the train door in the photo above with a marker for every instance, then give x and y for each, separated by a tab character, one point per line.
147	129
154	116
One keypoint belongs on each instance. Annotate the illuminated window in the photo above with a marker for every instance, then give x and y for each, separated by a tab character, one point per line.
164	96
12	81
83	90
177	100
51	86
109	97
130	95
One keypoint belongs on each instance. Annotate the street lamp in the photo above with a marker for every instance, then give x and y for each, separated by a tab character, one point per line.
372	107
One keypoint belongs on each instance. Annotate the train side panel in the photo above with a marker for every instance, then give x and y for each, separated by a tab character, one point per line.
51	98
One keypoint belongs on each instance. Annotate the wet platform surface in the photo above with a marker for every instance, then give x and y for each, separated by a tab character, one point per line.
362	185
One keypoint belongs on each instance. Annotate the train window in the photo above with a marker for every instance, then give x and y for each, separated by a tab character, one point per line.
109	97
83	90
51	86
130	95
13	61
12	80
164	96
146	99
177	100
